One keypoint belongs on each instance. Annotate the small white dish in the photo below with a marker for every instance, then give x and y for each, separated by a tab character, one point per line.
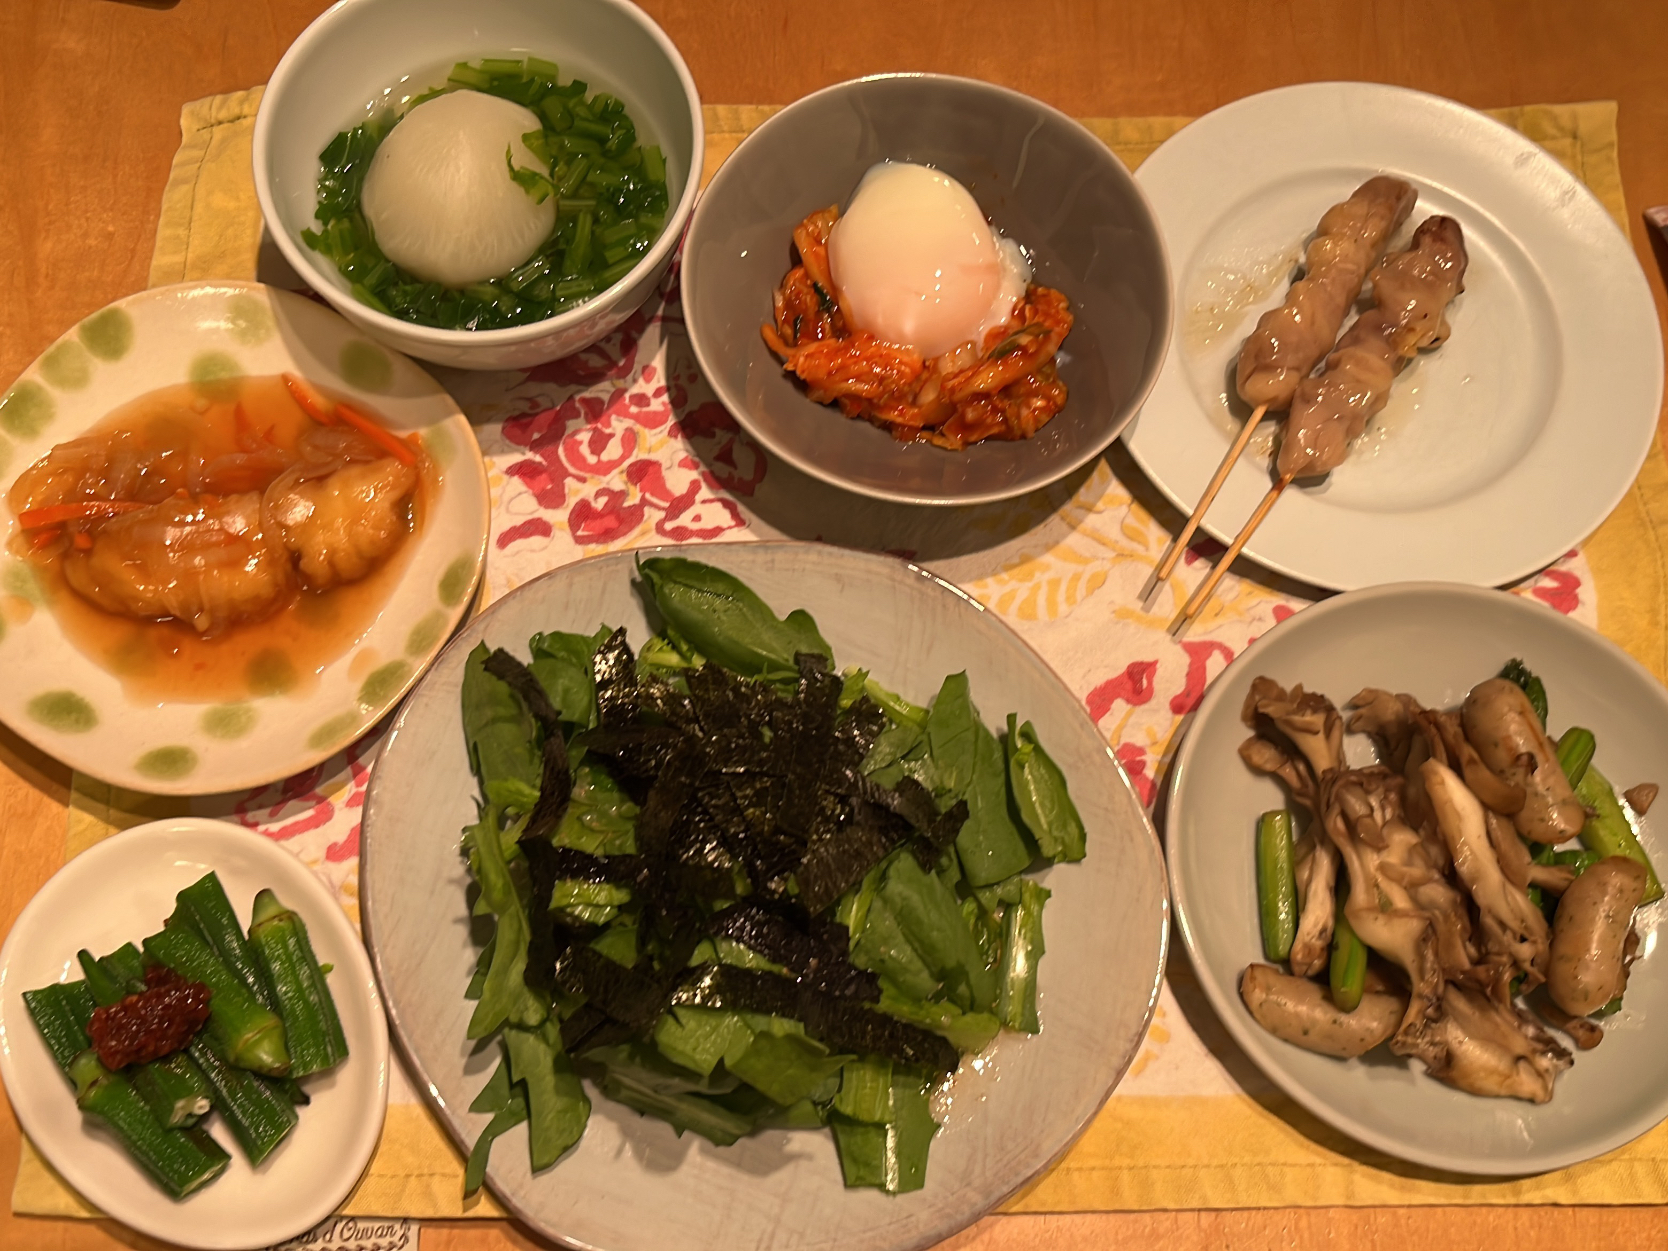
75	708
119	891
631	1184
1499	451
1435	641
356	51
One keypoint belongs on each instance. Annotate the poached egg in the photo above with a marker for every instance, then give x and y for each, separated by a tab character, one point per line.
916	263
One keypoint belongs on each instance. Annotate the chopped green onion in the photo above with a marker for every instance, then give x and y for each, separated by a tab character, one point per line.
531	181
556	112
363	294
535	141
573	177
577	259
572	143
465	75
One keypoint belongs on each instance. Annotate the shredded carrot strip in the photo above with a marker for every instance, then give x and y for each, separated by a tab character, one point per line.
57	514
41	538
396	447
310	403
82	540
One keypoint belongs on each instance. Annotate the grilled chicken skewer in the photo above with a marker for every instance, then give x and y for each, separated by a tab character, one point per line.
1289	341
1411	293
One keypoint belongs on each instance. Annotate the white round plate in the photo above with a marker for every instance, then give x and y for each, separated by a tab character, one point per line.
1499	451
631	1184
72	707
1435	641
118	892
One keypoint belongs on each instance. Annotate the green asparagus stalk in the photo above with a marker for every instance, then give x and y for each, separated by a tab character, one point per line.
203	908
181	1160
1022	953
1276	884
61	1012
250	1034
1607	831
1349	964
312	1029
258	1111
1575	753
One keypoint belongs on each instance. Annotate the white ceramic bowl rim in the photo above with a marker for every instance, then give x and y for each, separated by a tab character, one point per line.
306	263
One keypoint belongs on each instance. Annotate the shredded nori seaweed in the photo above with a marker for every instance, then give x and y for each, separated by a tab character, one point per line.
841	1024
754	819
616	674
556	782
814	949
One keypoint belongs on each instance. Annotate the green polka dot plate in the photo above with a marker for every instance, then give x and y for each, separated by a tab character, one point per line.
78	692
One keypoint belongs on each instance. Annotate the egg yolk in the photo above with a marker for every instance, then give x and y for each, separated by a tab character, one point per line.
916	263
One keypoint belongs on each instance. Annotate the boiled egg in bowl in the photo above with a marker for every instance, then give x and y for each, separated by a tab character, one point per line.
917	264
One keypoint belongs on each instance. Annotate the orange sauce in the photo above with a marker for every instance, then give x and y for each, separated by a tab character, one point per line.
283	654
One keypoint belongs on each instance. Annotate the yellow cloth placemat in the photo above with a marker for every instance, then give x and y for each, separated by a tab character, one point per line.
1142	1152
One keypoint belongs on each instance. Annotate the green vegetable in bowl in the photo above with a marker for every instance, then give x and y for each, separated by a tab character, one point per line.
1608	831
1516	671
180	1160
1348	968
609	191
1276	883
312	1030
737	890
268	996
251	1034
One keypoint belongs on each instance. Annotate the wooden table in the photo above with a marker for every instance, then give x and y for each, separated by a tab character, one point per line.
90	92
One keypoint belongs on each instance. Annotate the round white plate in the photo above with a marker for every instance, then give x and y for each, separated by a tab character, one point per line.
1435	641
631	1184
1499	451
121	890
69	705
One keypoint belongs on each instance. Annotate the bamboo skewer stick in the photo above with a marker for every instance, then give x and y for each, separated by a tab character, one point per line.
1201	596
1179	545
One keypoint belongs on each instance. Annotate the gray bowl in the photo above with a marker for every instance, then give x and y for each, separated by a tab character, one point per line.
1042	180
1434	640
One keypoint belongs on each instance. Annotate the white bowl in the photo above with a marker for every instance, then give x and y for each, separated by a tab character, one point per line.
120	891
1434	640
359	48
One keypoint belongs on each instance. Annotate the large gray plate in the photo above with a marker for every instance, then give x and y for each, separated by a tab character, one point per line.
631	1183
1435	641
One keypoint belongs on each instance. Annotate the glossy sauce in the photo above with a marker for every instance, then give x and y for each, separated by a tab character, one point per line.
167	660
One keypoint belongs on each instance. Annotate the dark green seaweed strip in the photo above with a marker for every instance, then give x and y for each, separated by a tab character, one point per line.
842	1025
